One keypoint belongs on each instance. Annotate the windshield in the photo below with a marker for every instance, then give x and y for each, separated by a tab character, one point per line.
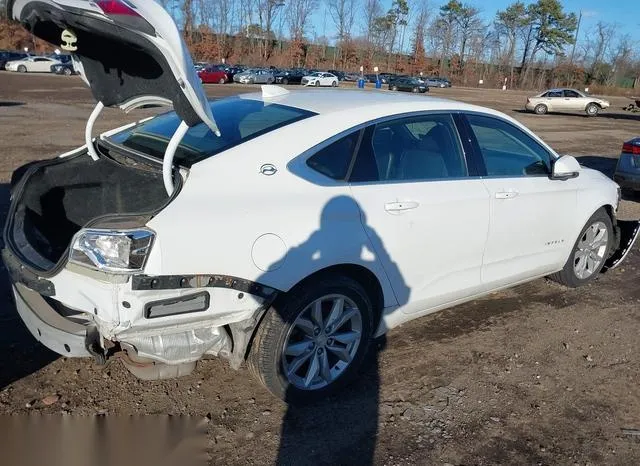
239	120
316	74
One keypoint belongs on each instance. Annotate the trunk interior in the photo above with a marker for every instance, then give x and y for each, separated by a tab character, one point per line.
61	197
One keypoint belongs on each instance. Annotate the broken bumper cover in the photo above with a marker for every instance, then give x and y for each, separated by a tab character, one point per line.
54	331
627	232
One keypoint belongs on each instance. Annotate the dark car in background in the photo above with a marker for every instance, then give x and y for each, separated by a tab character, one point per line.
351	77
6	56
408	84
231	71
339	74
293	76
627	173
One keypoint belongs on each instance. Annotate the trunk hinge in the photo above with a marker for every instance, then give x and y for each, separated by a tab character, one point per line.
169	153
89	129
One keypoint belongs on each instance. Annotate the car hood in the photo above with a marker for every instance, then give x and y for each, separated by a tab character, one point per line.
126	50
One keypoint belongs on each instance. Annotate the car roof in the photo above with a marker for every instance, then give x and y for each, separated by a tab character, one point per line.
325	101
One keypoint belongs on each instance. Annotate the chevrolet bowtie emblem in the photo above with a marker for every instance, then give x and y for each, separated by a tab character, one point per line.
69	40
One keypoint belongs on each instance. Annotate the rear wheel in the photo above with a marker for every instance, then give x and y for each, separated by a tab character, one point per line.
394	88
222	81
285	81
592	110
67	71
540	109
334	84
314	342
22	69
589	252
415	90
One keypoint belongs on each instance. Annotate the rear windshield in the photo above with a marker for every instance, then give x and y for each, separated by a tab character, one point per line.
238	119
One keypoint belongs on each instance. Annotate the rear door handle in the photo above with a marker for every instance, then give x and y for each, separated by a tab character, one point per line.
400	206
506	194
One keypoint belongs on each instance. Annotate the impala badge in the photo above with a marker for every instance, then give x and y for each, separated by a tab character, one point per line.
69	41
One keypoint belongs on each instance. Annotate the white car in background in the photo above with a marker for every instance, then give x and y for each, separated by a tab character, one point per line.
320	78
563	100
32	65
288	232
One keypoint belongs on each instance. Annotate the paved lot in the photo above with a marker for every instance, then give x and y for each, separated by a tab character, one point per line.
538	374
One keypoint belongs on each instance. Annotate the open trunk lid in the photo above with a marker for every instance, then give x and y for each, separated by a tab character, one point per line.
129	52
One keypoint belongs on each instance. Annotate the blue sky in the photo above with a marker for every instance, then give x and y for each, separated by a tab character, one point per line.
626	13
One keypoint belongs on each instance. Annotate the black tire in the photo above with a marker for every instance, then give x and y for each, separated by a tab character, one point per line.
67	72
394	88
415	90
334	84
285	81
540	109
592	109
222	81
22	69
567	275
265	357
317	83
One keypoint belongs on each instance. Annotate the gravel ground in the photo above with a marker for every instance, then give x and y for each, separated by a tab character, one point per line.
538	374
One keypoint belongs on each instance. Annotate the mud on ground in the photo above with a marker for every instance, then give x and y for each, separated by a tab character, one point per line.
538	374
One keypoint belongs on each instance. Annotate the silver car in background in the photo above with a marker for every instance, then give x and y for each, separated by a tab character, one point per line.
564	100
255	76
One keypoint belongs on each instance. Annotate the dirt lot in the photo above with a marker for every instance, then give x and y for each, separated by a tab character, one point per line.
538	374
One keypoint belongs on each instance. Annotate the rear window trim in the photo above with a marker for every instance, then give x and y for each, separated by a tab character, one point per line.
304	114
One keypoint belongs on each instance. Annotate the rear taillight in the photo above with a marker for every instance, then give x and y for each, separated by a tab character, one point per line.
629	148
116	7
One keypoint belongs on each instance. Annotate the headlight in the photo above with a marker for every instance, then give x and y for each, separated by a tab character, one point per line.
112	250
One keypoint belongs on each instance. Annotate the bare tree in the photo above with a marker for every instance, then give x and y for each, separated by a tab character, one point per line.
372	10
268	10
298	14
510	23
342	13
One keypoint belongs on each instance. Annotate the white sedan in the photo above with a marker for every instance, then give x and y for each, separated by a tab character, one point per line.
32	65
290	230
320	79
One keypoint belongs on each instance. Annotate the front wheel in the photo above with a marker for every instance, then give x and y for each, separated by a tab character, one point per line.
589	252
285	81
313	342
592	110
222	81
394	88
22	69
317	83
415	90
67	72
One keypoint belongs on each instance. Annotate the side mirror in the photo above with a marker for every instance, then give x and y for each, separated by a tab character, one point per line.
565	167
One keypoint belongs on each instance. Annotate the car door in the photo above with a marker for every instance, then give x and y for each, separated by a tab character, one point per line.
532	216
573	100
426	217
554	100
38	64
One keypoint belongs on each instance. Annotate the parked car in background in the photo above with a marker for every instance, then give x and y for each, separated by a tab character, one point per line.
293	76
409	84
66	69
566	100
7	56
386	78
627	172
320	78
32	64
437	82
351	77
231	71
199	66
338	74
213	74
255	76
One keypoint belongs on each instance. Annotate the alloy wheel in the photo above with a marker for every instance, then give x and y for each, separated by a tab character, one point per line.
591	249
322	342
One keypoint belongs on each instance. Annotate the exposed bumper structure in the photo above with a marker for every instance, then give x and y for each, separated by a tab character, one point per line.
56	332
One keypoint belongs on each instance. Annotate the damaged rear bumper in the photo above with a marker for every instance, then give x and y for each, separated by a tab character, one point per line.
56	332
627	232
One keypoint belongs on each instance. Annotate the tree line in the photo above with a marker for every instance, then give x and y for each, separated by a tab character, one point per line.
526	45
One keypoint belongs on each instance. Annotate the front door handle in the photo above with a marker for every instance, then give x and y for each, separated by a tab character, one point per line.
506	194
400	206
